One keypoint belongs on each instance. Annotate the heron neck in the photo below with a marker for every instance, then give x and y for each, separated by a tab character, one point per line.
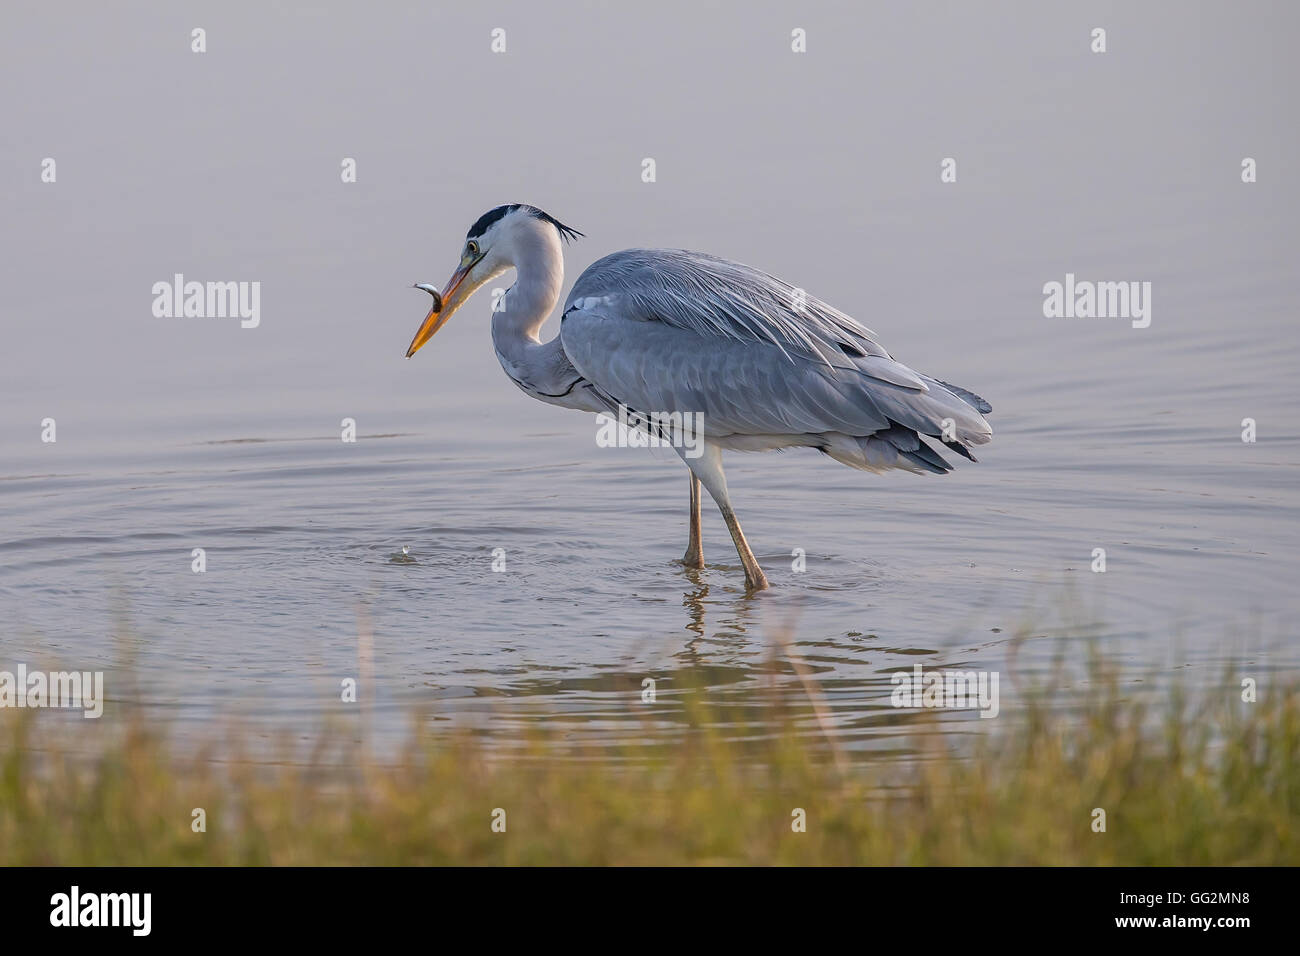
527	304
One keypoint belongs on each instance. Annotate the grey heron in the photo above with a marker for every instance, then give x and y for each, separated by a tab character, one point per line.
664	331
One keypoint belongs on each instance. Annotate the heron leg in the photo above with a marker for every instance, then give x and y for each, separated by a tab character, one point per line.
755	579
694	557
708	469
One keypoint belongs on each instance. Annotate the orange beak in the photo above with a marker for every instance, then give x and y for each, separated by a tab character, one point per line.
444	306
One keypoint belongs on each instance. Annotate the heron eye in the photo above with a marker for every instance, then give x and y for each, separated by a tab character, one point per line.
471	247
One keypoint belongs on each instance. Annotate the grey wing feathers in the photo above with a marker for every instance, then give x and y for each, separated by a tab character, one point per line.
717	297
667	330
970	398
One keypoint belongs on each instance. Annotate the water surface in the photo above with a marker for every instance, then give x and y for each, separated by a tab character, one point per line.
176	434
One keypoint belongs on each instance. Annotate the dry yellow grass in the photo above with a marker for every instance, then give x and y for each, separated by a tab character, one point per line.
1214	785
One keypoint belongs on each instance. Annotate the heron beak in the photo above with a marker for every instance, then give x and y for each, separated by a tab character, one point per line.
444	306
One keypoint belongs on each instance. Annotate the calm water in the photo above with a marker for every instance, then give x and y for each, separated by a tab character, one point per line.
175	434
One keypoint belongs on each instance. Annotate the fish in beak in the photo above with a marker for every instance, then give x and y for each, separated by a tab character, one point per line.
445	304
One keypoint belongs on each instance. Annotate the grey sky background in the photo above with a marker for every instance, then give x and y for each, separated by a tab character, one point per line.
821	167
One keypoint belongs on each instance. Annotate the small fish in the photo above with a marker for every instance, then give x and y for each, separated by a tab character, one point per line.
433	291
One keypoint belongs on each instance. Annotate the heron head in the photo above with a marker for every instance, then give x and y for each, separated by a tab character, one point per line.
492	246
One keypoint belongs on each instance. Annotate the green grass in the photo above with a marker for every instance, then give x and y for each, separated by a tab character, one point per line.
1215	784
